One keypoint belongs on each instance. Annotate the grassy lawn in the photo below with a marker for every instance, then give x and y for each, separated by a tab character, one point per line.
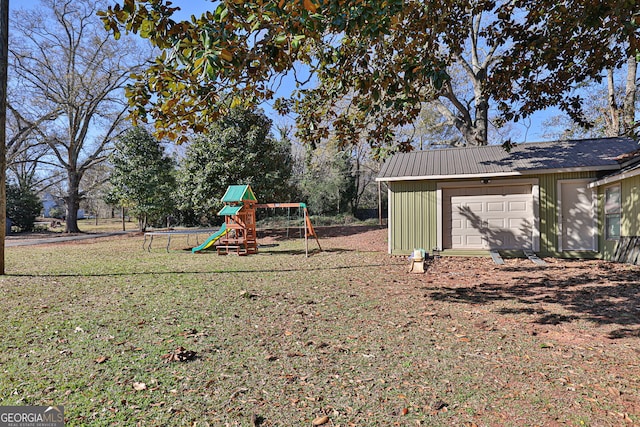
281	339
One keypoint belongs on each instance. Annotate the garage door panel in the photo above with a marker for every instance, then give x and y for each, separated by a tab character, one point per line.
495	223
474	241
518	206
474	207
517	223
495	207
498	241
491	218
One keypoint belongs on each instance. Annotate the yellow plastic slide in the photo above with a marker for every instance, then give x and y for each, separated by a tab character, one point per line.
211	240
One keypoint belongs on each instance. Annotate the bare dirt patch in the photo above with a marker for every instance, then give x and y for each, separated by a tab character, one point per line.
370	238
604	293
585	312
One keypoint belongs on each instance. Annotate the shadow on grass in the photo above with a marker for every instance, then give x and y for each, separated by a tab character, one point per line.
197	272
261	251
604	296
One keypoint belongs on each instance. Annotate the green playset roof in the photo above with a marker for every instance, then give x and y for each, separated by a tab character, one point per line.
238	193
230	210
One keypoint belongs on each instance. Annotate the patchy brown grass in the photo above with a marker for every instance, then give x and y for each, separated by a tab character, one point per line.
280	339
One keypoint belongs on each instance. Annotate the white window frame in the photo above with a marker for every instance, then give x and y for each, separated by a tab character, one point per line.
610	213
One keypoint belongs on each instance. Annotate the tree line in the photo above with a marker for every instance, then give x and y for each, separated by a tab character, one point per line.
239	148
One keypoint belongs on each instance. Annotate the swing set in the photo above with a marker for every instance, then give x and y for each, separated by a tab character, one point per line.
309	231
238	233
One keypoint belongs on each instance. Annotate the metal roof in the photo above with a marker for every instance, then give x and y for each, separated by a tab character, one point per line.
627	171
494	160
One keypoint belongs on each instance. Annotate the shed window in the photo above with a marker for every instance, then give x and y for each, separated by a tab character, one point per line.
612	210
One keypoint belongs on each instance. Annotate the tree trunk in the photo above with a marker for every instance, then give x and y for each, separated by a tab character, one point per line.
629	107
4	58
621	118
73	204
481	127
142	223
613	118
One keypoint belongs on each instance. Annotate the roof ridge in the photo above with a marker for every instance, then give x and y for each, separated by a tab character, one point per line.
519	144
570	155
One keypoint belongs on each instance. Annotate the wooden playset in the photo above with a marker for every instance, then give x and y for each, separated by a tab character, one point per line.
239	213
238	233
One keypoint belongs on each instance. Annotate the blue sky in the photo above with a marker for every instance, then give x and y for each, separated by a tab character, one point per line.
527	131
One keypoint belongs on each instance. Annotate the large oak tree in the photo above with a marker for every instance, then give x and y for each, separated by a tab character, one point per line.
67	66
386	56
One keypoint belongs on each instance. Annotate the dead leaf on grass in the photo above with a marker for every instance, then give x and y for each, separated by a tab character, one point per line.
102	359
248	295
180	354
256	420
614	391
320	420
236	394
438	405
139	386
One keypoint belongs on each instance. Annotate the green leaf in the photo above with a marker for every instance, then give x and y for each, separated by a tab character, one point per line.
236	102
146	28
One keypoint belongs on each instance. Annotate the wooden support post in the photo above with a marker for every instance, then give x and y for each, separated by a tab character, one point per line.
380	203
306	235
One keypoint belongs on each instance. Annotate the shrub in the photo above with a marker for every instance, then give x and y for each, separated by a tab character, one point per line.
23	206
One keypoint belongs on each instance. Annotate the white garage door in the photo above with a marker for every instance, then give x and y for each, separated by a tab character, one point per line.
489	217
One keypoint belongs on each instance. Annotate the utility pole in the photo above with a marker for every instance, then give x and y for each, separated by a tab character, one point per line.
4	61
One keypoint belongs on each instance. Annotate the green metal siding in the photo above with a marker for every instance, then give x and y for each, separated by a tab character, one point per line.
630	219
413	213
607	247
413	216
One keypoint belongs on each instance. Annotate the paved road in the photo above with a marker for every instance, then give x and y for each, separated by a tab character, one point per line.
15	240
